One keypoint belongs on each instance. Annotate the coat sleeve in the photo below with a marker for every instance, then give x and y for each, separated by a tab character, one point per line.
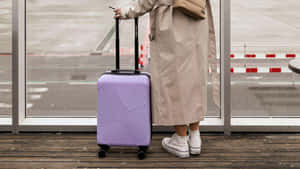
137	8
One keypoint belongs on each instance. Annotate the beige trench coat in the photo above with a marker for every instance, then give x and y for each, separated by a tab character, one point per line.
181	49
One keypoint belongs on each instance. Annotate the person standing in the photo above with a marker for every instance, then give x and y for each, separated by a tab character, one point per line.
180	48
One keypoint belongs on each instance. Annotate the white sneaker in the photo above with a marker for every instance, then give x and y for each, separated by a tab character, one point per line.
194	142
176	145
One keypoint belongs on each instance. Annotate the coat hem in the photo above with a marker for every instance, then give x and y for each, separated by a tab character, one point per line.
177	123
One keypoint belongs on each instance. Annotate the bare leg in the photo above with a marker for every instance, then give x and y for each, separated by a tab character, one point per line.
194	126
181	130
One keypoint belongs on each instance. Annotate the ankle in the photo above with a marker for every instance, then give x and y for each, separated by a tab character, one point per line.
181	134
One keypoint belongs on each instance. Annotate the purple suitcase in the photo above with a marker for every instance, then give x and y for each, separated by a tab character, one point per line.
124	105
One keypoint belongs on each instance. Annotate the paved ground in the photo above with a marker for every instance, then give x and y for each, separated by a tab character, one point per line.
64	36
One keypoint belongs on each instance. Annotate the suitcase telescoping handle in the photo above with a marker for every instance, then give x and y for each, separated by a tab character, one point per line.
136	48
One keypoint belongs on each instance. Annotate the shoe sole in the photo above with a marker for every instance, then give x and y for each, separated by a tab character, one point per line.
195	150
177	153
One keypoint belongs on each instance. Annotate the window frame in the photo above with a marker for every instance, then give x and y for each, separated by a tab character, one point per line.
225	124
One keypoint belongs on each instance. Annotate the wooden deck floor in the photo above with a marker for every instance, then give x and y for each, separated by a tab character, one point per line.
79	150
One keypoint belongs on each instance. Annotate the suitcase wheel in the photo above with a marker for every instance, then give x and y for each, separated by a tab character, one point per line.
101	154
142	152
143	148
103	150
104	147
141	155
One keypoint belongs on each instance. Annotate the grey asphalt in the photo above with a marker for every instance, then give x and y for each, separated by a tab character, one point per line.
64	36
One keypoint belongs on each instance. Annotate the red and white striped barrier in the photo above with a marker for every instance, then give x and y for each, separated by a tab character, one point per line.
145	47
141	58
264	56
257	70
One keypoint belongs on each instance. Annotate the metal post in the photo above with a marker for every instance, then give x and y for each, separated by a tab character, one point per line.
18	63
225	65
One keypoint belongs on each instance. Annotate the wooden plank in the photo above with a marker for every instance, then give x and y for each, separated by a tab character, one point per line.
79	150
143	164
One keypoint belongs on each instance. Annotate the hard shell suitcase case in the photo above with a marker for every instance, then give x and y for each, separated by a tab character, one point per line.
124	105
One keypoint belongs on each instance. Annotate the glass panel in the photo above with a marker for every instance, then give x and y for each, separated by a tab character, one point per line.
5	57
213	110
265	37
69	45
